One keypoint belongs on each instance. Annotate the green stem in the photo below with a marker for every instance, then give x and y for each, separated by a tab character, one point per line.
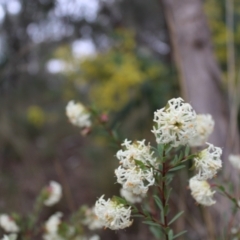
164	172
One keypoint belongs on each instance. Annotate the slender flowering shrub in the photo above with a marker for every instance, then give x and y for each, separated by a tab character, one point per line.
8	224
53	193
235	161
143	166
145	173
201	191
175	123
78	115
208	162
204	125
113	215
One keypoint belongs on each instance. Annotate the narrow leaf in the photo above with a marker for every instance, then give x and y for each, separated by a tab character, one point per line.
176	217
170	234
160	150
156	232
175	160
187	150
180	155
158	202
151	223
179	234
140	164
168	194
177	168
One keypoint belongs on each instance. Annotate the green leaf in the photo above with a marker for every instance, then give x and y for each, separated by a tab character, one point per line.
175	160
168	194
151	223
160	150
179	234
180	155
222	188
189	157
158	202
168	149
137	215
119	200
176	217
140	164
156	232
187	151
177	168
170	234
166	210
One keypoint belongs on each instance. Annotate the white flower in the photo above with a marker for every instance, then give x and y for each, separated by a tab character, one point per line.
51	227
201	191
208	162
234	230
135	180
94	237
112	214
130	197
8	224
54	193
204	126
91	219
175	123
135	151
10	237
234	160
78	114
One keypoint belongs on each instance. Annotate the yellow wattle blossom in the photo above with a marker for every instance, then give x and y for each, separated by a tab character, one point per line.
36	116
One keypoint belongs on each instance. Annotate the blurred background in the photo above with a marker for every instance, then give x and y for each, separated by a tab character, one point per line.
126	58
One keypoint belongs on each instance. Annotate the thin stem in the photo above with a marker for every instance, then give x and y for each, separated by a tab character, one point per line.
228	195
164	171
104	126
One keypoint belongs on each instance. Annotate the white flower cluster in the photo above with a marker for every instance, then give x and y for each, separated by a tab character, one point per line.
91	220
135	151
204	125
54	192
201	191
51	227
235	161
78	114
175	123
112	214
134	179
208	162
8	224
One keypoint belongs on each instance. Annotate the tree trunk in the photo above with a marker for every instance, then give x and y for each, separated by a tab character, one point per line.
200	77
199	74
